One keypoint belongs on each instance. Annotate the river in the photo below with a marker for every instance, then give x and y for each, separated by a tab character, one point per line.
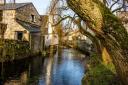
65	67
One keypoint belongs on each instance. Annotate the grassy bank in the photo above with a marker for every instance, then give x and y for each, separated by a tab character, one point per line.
99	73
12	49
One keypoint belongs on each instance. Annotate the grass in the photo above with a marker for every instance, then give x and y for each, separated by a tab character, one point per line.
99	73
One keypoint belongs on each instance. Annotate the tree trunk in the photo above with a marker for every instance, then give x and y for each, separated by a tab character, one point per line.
108	29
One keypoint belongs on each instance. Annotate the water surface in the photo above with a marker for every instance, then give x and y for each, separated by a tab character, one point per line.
65	67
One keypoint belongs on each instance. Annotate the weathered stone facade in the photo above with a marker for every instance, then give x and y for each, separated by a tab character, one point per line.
12	25
24	13
29	26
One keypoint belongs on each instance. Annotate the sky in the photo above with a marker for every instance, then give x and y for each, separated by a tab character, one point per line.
41	5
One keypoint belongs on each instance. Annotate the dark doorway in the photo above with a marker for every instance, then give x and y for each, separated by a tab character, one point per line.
19	35
1	15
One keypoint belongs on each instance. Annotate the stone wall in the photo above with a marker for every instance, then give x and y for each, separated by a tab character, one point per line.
24	14
12	25
35	42
13	50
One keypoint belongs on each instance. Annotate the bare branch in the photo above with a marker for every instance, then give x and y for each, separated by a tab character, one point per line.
118	9
61	20
64	18
114	4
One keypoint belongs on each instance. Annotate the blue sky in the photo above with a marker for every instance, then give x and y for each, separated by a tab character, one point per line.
41	5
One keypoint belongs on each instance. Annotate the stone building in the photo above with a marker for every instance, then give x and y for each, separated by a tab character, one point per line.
44	31
123	16
23	23
49	32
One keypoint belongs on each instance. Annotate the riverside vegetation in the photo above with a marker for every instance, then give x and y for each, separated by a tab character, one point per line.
12	49
98	73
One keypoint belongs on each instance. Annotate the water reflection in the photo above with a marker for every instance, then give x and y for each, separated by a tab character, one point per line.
69	73
64	69
67	68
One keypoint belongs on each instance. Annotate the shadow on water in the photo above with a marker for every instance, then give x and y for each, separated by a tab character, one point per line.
67	68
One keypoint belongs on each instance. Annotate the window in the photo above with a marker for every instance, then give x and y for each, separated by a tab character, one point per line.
33	18
1	15
19	35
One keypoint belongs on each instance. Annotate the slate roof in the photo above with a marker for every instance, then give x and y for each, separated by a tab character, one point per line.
10	6
30	27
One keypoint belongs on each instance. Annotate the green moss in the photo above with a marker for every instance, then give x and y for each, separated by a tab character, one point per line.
15	50
100	74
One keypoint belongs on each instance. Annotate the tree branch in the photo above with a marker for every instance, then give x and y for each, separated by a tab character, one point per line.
114	4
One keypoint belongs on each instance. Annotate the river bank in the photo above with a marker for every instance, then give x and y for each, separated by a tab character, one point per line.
99	73
14	50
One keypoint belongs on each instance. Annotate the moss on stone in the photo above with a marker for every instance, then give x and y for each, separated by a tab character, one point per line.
15	50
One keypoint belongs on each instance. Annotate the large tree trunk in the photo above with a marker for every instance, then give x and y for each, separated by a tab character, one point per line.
108	29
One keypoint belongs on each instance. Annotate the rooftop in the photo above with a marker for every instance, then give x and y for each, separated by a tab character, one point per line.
12	6
28	26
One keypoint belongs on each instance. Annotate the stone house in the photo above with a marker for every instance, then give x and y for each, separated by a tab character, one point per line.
123	16
44	31
52	31
77	35
49	32
23	23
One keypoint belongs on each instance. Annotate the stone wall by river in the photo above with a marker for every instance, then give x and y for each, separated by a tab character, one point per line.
11	50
